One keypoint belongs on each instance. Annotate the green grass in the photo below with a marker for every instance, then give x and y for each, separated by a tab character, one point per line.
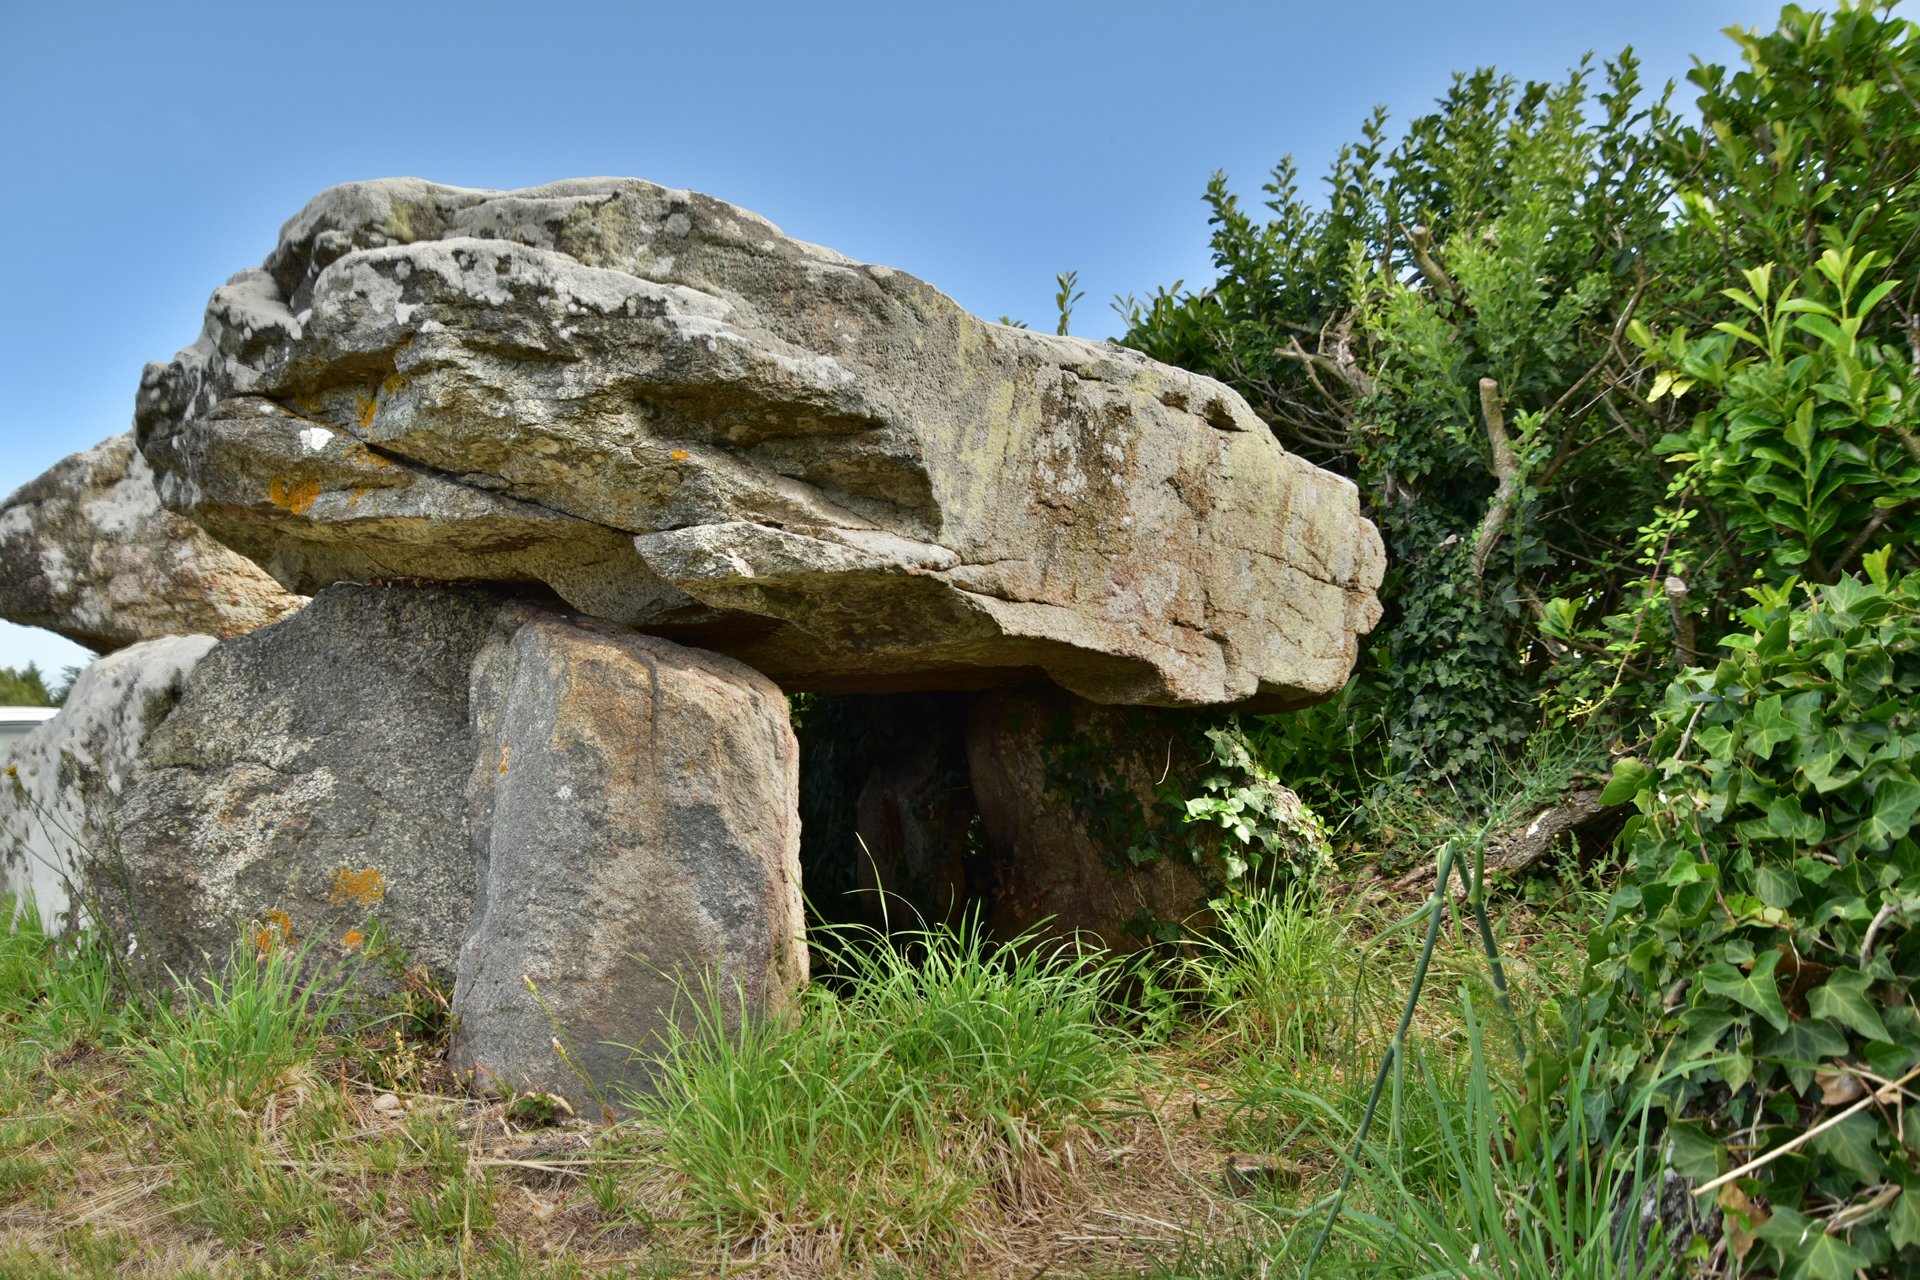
932	1105
872	1120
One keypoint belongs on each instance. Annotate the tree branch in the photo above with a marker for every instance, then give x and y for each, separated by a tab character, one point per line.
1418	238
1507	467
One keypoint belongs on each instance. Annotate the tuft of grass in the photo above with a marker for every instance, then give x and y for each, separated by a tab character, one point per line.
1557	1205
1285	972
870	1123
227	1043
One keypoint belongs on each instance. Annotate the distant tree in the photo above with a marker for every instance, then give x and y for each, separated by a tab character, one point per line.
26	687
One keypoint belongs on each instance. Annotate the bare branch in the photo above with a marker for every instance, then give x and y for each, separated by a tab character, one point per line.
1418	238
1507	467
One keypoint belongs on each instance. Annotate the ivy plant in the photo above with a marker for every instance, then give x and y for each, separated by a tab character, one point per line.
1759	952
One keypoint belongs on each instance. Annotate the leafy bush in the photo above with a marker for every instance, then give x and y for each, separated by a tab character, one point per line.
1761	947
1450	328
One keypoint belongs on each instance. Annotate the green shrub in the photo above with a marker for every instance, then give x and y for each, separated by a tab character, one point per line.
1760	944
26	687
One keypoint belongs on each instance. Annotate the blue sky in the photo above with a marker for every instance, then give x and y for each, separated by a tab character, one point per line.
151	150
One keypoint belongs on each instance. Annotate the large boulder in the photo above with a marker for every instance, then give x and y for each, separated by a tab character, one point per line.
316	768
1064	867
635	825
676	416
87	550
63	781
1083	821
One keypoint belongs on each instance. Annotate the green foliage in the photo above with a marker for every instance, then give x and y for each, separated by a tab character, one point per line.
26	687
1555	1205
1809	450
1285	971
1270	835
1063	300
1484	323
1761	950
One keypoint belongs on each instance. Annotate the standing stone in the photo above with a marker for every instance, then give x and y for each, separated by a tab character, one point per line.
87	550
315	767
63	780
1070	869
635	825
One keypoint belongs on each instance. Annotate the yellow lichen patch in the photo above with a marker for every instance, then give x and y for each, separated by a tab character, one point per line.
394	384
679	455
352	939
364	887
296	496
506	755
360	456
366	406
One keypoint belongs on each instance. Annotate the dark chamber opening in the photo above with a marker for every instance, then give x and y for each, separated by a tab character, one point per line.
889	831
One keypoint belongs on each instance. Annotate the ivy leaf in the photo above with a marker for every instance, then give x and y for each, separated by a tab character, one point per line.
1850	1145
1630	777
1844	1000
1755	990
1894	803
1776	887
1802	1047
1693	1154
1768	726
1807	1249
1904	1225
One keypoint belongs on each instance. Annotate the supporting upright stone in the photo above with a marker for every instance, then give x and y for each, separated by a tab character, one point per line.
1065	870
315	768
64	780
635	825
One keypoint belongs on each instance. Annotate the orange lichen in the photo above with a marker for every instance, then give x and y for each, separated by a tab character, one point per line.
296	496
395	384
352	939
506	755
364	887
680	455
361	456
366	406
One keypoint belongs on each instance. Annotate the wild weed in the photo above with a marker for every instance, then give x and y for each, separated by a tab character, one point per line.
1286	974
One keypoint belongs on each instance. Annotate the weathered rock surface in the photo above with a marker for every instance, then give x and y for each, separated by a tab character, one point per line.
635	822
679	417
1053	864
315	767
87	550
64	779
